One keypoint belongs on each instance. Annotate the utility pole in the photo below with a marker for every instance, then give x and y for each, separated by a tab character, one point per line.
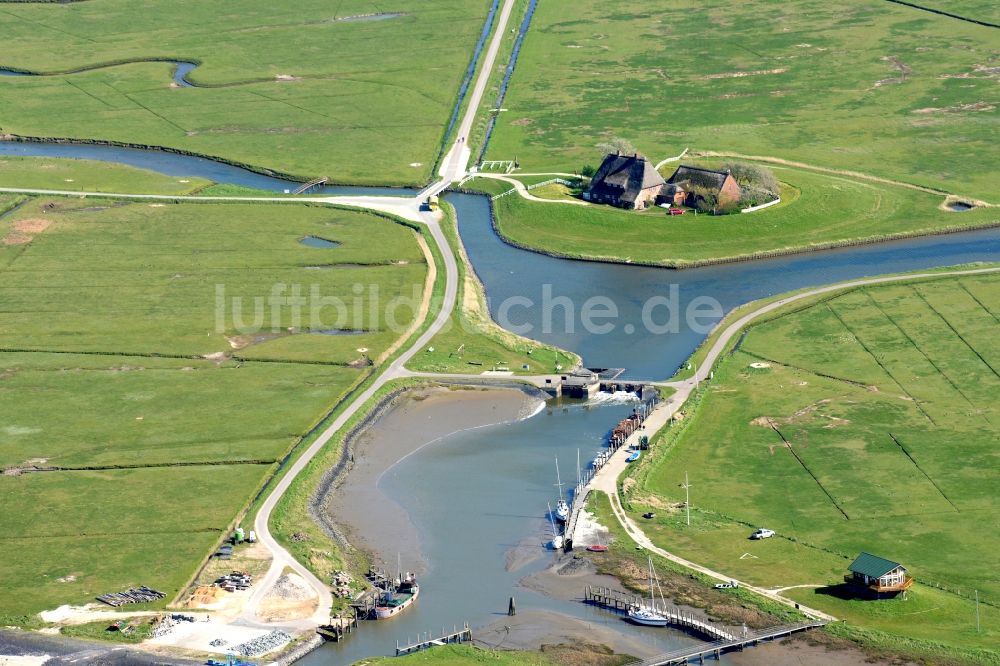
977	611
687	497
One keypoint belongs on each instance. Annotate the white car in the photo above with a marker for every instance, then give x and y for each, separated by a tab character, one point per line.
762	533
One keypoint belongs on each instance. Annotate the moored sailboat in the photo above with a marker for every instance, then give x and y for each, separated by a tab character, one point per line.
650	616
562	506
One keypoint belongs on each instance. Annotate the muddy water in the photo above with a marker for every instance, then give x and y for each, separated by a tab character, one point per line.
374	521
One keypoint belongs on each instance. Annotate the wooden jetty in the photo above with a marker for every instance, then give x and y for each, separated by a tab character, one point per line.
457	635
624	602
338	628
633	424
315	182
364	604
698	653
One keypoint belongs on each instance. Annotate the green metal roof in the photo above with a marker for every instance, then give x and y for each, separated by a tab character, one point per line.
872	565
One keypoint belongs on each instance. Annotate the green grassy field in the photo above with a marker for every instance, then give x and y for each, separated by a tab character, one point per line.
89	176
876	88
817	210
118	370
365	98
872	429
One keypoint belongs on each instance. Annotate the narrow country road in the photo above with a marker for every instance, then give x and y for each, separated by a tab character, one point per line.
453	168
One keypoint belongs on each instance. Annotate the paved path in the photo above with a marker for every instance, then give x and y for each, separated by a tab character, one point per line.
606	479
522	190
456	163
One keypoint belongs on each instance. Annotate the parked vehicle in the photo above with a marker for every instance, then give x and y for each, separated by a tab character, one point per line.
731	585
762	533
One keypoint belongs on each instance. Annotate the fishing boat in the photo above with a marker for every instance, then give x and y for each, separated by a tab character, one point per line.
562	507
398	595
633	457
650	616
557	539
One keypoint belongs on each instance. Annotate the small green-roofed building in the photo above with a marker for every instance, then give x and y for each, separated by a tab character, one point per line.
878	574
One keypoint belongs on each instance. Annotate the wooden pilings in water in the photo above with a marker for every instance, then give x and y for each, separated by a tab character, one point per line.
338	628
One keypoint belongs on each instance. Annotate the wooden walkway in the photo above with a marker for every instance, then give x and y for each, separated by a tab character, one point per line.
715	649
315	182
624	602
457	635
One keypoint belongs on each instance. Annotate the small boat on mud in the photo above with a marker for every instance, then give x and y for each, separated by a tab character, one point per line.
557	540
396	595
562	506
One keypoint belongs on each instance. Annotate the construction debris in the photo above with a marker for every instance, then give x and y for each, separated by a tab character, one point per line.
168	622
237	580
139	595
341	584
262	645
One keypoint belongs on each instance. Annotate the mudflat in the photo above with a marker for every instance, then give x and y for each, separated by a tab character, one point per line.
371	520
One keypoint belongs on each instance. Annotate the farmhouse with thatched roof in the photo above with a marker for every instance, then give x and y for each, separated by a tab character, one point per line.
626	181
688	184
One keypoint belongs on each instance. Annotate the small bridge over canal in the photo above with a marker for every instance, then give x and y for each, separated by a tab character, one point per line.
315	182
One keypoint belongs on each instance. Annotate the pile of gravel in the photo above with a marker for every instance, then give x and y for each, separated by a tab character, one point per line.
262	645
291	587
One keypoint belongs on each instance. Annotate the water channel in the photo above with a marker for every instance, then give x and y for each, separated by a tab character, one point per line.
477	496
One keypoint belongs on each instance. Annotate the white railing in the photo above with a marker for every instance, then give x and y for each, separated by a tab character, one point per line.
561	181
761	206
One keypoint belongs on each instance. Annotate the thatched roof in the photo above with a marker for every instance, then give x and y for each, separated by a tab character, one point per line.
624	176
686	176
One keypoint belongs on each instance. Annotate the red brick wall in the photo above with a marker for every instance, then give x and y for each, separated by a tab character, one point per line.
730	191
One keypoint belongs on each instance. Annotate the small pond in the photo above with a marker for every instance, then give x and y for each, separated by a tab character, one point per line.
317	242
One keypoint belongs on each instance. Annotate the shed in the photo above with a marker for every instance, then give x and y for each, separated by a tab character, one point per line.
878	574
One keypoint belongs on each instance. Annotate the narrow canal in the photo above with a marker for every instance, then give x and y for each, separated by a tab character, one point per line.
476	499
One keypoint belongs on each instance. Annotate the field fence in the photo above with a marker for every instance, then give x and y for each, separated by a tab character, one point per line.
503	194
561	181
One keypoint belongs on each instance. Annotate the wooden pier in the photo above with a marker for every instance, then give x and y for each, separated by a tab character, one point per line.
714	650
338	628
623	602
315	182
457	635
630	427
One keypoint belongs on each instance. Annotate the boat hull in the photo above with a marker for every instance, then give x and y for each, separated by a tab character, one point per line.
386	612
648	621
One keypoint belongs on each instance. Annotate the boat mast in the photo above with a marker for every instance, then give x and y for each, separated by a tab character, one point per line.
652	600
552	522
559	483
578	478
